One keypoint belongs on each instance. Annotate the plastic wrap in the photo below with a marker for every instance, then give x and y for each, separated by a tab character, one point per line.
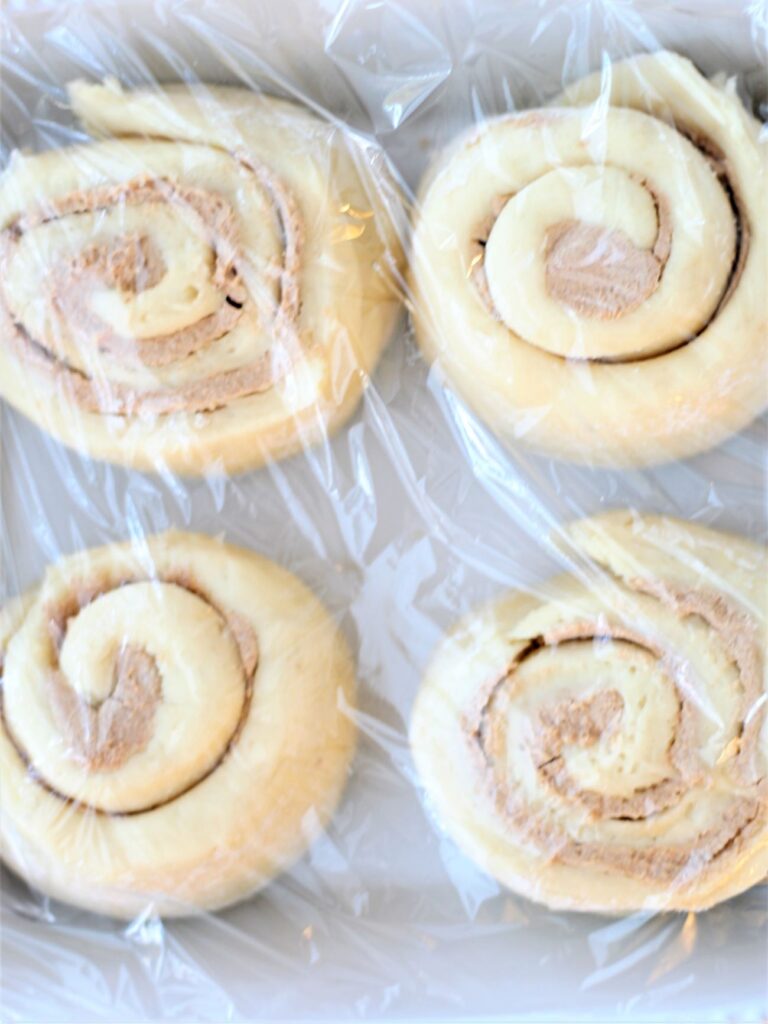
408	506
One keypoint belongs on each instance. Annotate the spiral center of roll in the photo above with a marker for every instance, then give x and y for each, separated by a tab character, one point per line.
569	703
158	294
575	248
119	707
599	739
132	263
611	255
104	735
598	272
581	722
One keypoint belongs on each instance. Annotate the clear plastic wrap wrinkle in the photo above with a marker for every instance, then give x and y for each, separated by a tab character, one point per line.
383	599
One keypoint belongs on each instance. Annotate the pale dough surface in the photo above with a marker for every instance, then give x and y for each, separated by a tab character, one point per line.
305	214
602	745
239	769
592	276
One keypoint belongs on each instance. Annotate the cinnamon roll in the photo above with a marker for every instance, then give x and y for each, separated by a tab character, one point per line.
209	286
174	725
592	276
604	746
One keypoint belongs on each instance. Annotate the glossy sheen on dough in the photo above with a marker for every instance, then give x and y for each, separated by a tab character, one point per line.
604	746
592	276
207	288
175	728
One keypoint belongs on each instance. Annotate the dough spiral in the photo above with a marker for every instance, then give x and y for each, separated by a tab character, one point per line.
207	287
173	725
591	276
605	747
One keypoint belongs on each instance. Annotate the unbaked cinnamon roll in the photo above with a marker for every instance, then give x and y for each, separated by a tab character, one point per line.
207	287
592	276
175	725
604	746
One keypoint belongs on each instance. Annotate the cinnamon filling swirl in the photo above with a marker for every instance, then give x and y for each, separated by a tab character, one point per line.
568	724
85	339
103	734
600	273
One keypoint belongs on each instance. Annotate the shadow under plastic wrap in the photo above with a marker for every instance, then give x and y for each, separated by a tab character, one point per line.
411	516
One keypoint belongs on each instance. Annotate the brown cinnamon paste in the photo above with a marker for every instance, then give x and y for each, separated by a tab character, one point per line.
105	736
600	272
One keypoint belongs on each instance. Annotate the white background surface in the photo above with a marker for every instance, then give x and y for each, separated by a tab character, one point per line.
408	519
